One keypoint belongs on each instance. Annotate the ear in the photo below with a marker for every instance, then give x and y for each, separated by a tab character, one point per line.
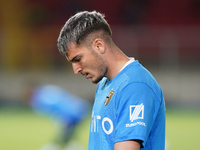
99	45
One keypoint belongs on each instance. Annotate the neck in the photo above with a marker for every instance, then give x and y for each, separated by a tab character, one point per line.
115	59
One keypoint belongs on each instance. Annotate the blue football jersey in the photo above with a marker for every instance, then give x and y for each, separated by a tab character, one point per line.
130	106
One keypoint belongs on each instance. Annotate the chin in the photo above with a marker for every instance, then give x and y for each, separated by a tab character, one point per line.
95	81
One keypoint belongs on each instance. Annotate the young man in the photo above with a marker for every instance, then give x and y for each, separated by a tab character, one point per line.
129	109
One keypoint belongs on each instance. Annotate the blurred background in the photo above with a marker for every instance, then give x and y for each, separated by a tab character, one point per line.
164	35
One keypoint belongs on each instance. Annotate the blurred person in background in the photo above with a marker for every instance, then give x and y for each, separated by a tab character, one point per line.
129	108
64	108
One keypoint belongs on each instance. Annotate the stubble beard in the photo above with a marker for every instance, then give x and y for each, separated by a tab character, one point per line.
101	68
102	74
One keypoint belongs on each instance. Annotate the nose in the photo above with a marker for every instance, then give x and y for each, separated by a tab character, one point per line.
77	68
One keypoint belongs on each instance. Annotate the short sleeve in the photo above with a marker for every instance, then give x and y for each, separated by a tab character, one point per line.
136	110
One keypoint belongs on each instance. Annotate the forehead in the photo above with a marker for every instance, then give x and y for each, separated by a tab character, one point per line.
74	50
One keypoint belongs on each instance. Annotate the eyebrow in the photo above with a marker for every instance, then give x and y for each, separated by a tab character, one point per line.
73	59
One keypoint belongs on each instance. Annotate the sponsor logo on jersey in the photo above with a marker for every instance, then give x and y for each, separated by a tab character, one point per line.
136	112
98	123
108	97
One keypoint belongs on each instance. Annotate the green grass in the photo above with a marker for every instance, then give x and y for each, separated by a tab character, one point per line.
183	129
21	129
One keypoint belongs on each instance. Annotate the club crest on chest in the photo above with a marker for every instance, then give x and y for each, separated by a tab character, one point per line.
108	97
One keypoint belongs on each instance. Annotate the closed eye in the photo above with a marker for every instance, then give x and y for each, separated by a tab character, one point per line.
76	59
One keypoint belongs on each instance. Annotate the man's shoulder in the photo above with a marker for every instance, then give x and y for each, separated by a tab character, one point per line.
136	72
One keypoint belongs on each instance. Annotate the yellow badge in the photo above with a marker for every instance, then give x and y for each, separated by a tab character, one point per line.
108	97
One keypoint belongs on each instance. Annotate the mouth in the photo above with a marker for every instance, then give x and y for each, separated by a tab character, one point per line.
87	76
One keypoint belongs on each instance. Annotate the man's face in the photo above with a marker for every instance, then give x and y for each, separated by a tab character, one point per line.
88	62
